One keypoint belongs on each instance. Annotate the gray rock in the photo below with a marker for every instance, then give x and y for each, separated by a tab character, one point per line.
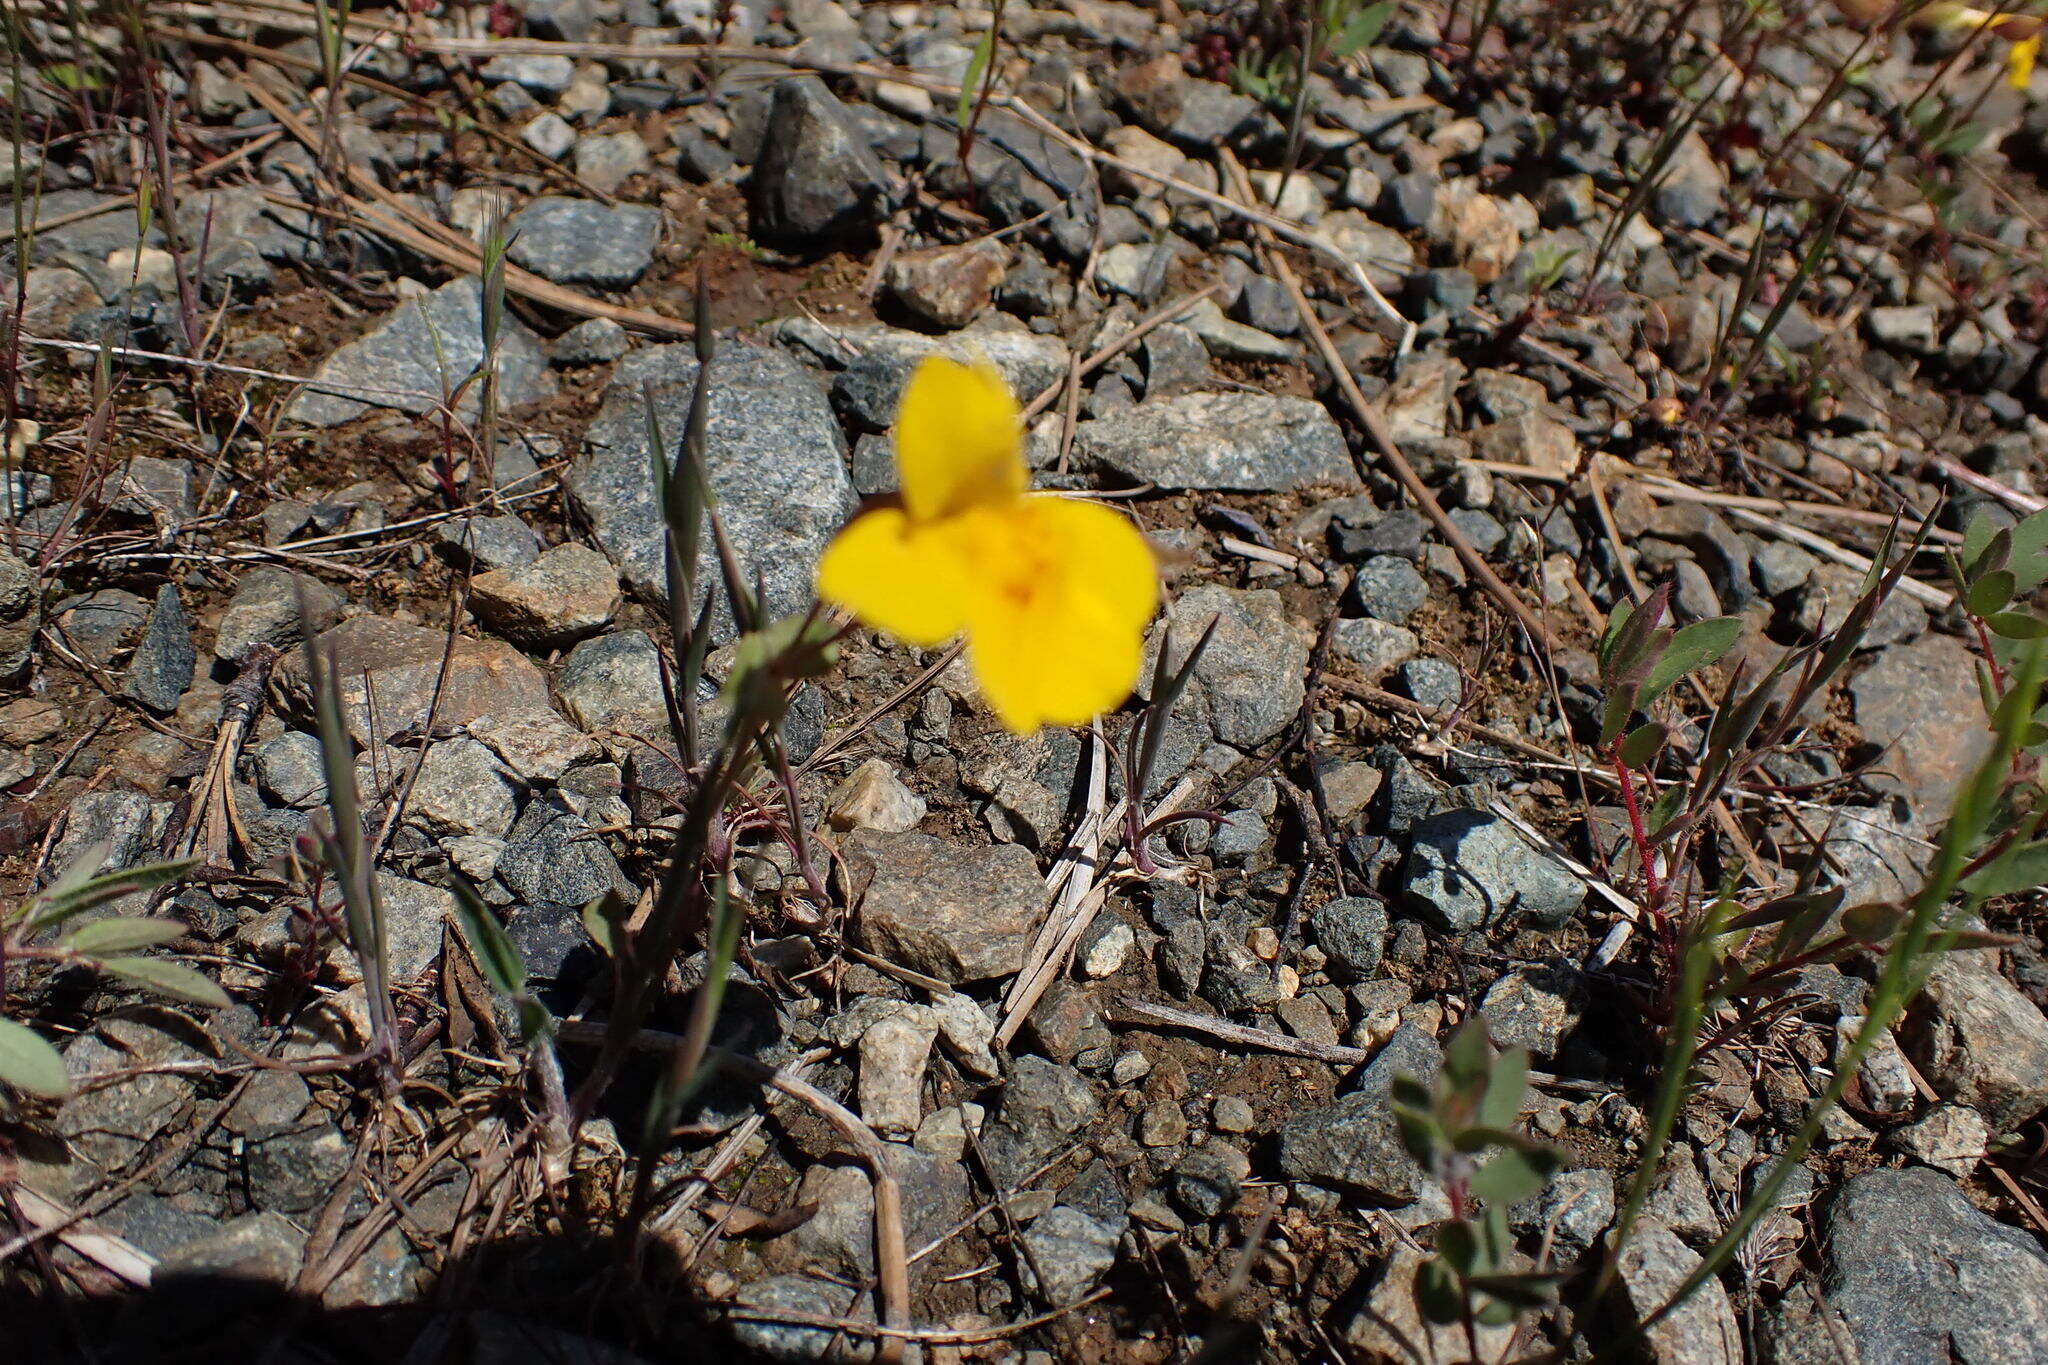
1981	1042
1375	646
614	683
1227	340
461	788
1533	1008
1245	442
605	161
1208	1180
1917	1274
596	341
1689	195
288	769
391	674
1354	1145
1700	1331
948	286
541	75
256	1252
1433	682
783	1341
1072	1249
272	606
1920	701
486	543
1352	932
1468	868
817	181
99	626
296	1172
20	614
580	241
567	593
1389	588
112	1125
551	855
123	827
414	914
774	458
162	667
550	134
1573	1210
1042	1106
422	349
841	1236
1409	201
1255	668
1914	328
1949	1137
875	362
957	913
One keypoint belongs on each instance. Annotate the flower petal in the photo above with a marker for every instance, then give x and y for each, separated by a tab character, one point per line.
896	577
1062	646
959	440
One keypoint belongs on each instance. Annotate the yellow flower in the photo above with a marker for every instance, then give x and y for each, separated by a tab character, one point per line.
1052	594
2019	61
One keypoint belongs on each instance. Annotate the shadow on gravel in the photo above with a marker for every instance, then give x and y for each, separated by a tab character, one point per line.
533	1302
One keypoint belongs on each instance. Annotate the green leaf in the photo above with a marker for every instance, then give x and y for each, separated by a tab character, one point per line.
604	919
977	67
1873	921
1504	1086
164	977
1468	1054
1437	1293
1614	717
1458	1244
1508	1178
1692	648
1639	750
1362	31
85	887
1664	809
1992	592
2020	868
1421	1134
123	935
29	1063
2029	561
2017	625
487	939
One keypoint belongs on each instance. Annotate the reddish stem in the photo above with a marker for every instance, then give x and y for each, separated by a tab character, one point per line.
1653	890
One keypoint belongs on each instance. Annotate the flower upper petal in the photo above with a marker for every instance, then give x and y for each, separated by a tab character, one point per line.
959	440
896	576
1063	646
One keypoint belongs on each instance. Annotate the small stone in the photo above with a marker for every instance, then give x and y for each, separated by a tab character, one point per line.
1163	1125
1254	671
486	543
1468	868
1914	328
1700	1331
1228	340
580	241
1920	702
1981	1042
1349	788
1229	1114
1916	1273
161	668
391	675
1532	1008
614	683
1073	1251
1949	1137
1409	200
1573	1210
421	350
1377	647
1239	442
569	592
1352	932
596	341
893	1052
1532	439
957	913
789	1341
605	161
288	769
948	286
1690	192
99	626
874	797
1389	588
550	855
1104	949
539	75
817	180
1354	1145
549	134
271	607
